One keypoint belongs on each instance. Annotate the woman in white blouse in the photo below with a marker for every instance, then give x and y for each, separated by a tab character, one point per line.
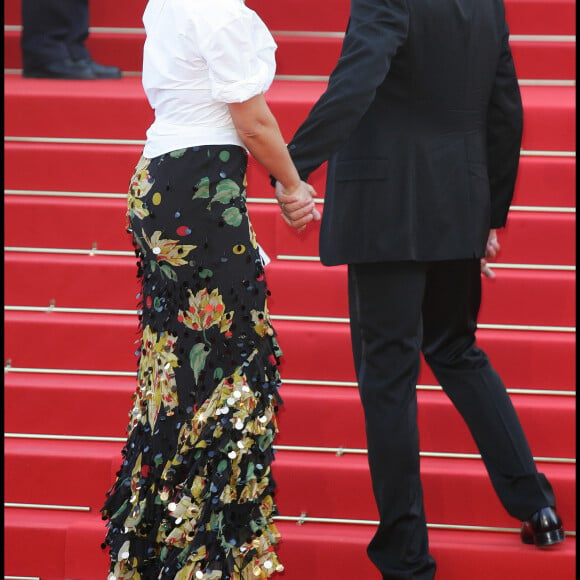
194	495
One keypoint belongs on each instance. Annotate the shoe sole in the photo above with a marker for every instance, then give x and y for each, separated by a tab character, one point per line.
545	539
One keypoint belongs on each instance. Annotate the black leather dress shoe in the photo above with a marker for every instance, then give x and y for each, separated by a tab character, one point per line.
101	71
544	528
62	69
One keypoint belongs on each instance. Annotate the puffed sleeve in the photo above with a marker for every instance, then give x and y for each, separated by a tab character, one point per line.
240	58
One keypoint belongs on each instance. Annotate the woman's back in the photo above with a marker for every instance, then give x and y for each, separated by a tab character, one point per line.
199	56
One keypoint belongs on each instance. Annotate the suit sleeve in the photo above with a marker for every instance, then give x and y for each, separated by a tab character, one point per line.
504	135
376	30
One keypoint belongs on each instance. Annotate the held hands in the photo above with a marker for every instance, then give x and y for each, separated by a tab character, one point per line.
297	205
491	251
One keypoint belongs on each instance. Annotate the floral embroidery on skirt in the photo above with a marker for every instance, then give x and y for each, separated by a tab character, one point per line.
193	497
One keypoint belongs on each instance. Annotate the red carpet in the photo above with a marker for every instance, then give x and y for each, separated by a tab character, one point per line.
65	139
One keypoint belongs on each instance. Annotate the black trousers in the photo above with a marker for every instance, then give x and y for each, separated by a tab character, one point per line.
53	30
397	310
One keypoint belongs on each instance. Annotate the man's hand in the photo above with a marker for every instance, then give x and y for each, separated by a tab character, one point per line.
491	252
297	206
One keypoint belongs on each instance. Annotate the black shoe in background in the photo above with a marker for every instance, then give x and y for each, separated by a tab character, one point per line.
100	71
62	69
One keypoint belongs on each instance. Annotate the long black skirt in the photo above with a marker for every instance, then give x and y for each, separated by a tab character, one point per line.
194	495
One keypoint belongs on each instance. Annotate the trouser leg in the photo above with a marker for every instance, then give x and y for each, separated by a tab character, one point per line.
385	304
46	26
450	310
79	30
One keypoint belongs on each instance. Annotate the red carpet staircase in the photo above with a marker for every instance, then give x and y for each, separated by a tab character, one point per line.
70	321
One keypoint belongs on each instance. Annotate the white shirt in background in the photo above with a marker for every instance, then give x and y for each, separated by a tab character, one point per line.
200	55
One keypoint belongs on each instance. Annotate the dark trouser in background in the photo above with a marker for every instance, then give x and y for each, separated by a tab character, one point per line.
53	30
398	309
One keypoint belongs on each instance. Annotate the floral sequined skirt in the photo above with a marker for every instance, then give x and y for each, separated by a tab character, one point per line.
193	497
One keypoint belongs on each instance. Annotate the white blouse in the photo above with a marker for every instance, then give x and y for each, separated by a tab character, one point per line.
200	55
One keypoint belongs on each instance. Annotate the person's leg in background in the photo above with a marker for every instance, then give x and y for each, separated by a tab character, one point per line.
45	28
52	41
76	42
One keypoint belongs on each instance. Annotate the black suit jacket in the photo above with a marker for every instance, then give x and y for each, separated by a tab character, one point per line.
421	123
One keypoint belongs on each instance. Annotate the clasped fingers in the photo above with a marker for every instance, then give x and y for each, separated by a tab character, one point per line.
298	208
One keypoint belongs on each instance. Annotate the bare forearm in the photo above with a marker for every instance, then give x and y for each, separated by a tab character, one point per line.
259	131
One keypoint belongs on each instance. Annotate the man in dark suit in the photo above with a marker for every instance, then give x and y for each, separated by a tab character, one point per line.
53	41
422	123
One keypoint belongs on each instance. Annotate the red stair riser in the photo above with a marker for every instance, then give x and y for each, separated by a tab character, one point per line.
524	16
457	491
35	542
546	181
524	359
70	226
70	167
81	112
549	111
313	550
529	237
335	419
544	60
70	396
549	422
542	181
524	297
43	472
307	55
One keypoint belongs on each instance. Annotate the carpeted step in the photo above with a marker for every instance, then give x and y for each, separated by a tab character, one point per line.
524	16
535	59
335	419
457	491
73	167
311	550
311	55
332	414
522	297
313	350
35	543
58	222
542	181
77	109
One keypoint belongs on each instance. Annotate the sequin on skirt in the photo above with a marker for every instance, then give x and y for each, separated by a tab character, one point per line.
194	495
